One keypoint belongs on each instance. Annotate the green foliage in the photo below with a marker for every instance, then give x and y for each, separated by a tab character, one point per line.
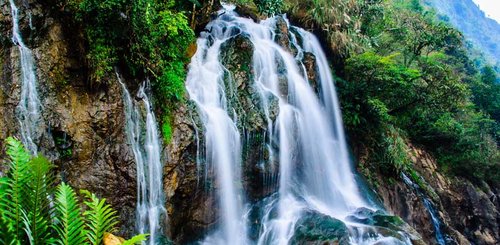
166	129
486	93
463	143
396	150
6	234
28	215
415	82
101	218
149	37
37	204
104	29
339	19
269	7
15	189
68	221
160	40
136	240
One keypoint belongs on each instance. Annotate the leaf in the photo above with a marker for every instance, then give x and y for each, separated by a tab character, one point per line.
138	239
37	206
68	220
100	218
16	188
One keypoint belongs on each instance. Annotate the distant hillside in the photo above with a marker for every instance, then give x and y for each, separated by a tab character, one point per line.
476	26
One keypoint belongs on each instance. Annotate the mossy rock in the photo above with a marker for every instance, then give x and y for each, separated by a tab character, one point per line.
385	225
376	218
316	228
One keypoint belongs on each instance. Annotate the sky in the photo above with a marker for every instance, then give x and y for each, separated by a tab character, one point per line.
490	7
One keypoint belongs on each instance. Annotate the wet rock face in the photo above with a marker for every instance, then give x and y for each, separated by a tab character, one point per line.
82	130
385	224
473	214
191	210
243	98
282	33
468	213
400	200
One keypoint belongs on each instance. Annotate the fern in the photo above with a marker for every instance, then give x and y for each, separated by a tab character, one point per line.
68	222
100	218
27	228
16	187
38	207
27	215
6	235
136	239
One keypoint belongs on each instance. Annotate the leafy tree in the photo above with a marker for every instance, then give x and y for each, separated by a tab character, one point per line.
486	92
417	83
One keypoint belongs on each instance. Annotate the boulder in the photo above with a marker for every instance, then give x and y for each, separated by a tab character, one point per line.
316	228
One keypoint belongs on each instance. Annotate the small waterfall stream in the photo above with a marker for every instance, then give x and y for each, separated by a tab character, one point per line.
29	108
142	135
315	172
436	221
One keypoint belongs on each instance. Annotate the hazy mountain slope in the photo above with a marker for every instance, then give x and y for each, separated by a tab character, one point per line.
467	17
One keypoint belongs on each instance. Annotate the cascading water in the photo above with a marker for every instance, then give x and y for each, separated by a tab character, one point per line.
206	87
436	222
314	169
142	135
29	107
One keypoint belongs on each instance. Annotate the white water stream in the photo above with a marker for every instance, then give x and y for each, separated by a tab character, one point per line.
142	135
29	107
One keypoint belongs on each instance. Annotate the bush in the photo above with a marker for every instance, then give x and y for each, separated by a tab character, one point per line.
269	7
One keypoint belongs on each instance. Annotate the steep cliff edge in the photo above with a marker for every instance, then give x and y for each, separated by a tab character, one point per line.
466	213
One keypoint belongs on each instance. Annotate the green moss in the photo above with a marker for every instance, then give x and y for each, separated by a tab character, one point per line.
166	129
417	179
149	37
317	228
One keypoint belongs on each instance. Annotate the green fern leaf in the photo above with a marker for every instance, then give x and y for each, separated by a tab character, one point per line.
68	221
15	189
37	205
136	239
100	218
6	235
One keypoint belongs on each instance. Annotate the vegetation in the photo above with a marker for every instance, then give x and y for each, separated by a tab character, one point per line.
407	77
335	19
148	39
33	210
269	7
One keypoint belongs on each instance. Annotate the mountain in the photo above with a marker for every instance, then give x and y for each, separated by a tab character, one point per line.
466	16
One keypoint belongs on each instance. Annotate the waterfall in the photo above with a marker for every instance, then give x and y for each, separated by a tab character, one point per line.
315	173
223	144
29	108
436	221
143	138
